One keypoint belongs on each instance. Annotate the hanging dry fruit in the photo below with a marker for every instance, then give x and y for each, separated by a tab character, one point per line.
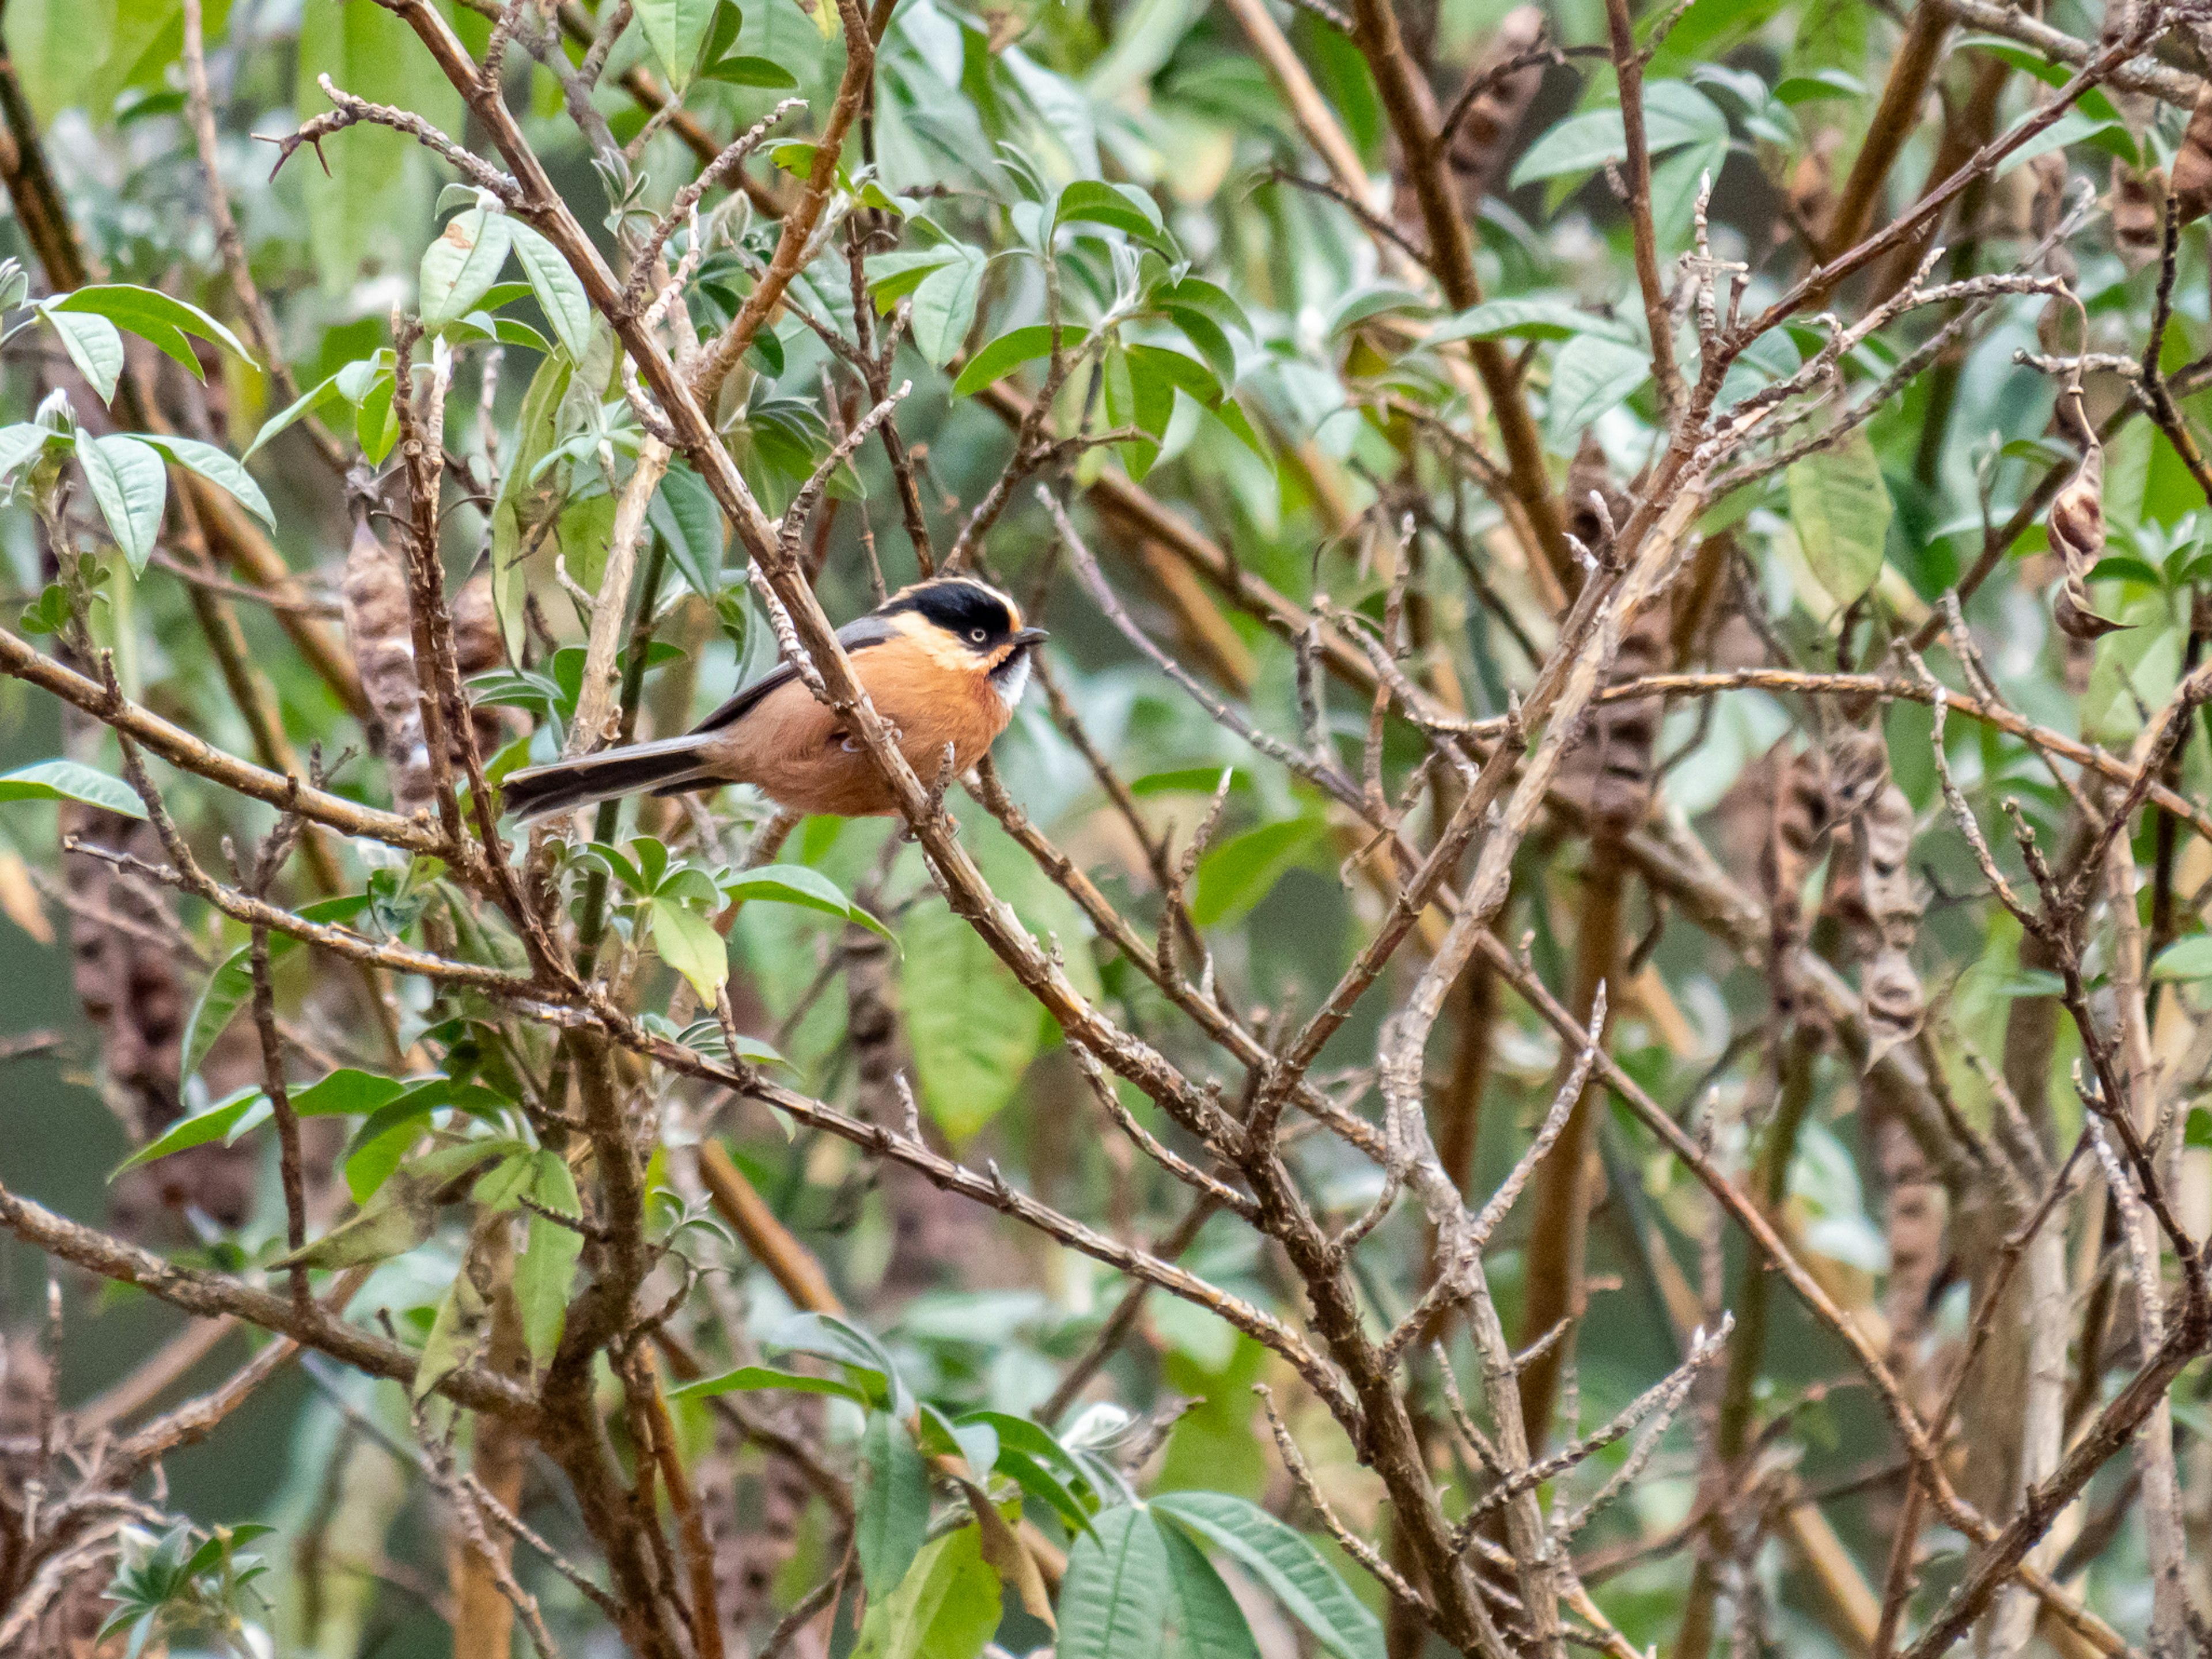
1813	184
2137	205
2076	527
479	648
380	630
1784	794
1480	143
1608	773
2192	166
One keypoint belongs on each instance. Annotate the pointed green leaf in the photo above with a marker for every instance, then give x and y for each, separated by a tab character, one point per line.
152	315
62	779
218	469
132	486
687	943
890	1503
460	266
1115	1598
94	345
1283	1560
675	29
217	1123
1010	351
546	1272
1841	510
559	293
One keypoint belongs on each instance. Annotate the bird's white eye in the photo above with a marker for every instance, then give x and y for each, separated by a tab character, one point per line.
977	634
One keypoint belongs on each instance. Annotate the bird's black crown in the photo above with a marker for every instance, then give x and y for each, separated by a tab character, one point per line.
961	608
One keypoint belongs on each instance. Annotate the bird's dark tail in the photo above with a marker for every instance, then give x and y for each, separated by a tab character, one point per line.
538	792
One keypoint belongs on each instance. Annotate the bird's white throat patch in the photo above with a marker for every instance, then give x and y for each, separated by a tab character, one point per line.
1010	679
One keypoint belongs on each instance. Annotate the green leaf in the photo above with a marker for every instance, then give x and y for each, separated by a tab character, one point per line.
685	515
973	1028
675	29
751	1379
2185	959
94	345
1209	1625
890	1503
1115	1599
1841	510
330	391
218	1122
1589	376
346	1093
21	444
796	884
1208	300
750	72
460	266
521	504
687	943
1238	874
1674	113
232	983
560	295
1125	208
945	1607
218	469
546	1271
892	276
132	486
945	308
828	1337
1291	1567
1010	351
1529	319
454	1330
153	316
63	779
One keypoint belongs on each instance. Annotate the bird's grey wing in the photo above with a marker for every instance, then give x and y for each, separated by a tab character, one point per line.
856	636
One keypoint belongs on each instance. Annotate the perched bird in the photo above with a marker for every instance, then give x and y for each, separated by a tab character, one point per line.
944	661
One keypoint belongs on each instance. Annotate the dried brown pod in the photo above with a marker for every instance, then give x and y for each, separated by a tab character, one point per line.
134	996
380	630
2192	165
2137	206
1609	772
1783	798
1886	914
1589	474
2048	173
479	648
2077	529
1485	132
1812	184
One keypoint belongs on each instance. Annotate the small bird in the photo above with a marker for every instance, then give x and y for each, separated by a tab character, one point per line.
944	661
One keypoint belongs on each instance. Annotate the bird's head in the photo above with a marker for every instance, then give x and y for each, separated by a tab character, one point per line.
969	626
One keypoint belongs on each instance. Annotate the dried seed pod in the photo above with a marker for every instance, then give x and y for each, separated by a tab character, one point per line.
2137	206
2077	529
1485	132
1812	183
2048	173
2192	165
133	995
1589	474
479	648
1608	772
380	628
1791	790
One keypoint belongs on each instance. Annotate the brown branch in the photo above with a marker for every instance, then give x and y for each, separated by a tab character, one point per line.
211	1295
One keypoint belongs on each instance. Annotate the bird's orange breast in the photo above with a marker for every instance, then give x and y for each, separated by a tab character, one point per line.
790	747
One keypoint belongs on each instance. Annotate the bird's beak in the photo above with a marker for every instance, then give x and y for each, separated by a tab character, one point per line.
1031	636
